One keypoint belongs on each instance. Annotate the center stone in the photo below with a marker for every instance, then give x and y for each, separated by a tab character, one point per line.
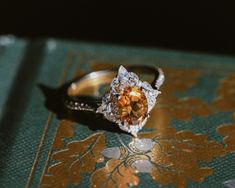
132	105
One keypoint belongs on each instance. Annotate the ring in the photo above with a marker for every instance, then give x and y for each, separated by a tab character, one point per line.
129	100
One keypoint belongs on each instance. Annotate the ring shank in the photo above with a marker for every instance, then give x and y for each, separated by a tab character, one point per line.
156	71
73	101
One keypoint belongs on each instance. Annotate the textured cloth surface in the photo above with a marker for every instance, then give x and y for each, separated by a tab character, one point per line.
39	148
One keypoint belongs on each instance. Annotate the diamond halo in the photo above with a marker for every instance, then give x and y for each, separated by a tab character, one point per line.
129	101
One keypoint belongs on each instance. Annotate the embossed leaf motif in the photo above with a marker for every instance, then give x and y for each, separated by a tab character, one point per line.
79	157
180	79
185	108
170	157
114	174
181	108
176	157
169	106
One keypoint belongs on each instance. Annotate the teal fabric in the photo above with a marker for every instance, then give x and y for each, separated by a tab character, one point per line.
11	53
24	64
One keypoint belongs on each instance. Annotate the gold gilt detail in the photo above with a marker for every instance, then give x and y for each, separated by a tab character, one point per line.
174	159
114	174
77	158
172	152
169	106
65	130
226	94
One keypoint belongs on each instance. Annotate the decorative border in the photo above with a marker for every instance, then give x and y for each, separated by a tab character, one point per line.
62	79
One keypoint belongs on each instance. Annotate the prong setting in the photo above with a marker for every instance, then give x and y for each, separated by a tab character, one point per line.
139	99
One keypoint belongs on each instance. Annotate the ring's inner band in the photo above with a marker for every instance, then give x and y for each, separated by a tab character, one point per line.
92	81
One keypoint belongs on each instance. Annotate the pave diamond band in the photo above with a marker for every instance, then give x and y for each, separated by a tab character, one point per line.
129	100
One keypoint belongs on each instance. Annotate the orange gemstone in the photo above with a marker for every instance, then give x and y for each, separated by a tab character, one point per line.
132	105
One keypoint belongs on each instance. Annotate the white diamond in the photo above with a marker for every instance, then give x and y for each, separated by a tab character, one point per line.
147	86
133	79
114	83
122	73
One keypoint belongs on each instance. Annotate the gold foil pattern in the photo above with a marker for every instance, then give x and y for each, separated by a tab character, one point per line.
114	174
77	158
175	156
225	100
173	159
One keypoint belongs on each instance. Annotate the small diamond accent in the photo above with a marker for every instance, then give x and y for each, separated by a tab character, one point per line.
125	103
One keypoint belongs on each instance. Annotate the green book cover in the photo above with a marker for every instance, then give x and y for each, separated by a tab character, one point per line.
192	125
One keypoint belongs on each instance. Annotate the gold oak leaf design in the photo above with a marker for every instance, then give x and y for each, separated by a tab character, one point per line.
114	174
79	157
181	109
169	106
176	156
180	79
226	94
65	130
